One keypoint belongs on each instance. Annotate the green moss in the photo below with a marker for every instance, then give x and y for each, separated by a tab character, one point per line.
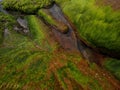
99	26
40	33
36	30
35	63
6	22
22	61
71	71
113	65
27	6
47	17
52	21
1	36
77	75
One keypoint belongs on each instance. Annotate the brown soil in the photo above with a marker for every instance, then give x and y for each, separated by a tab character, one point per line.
105	79
101	75
115	4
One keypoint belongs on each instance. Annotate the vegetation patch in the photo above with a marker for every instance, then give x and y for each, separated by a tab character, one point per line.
97	25
27	6
6	22
113	65
40	33
36	63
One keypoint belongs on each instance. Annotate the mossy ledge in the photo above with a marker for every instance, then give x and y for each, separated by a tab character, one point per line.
26	6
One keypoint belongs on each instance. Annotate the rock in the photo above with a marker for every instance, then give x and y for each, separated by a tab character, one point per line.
26	31
22	22
63	28
17	29
6	32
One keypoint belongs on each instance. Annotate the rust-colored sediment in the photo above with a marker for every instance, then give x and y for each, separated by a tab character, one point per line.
115	4
104	78
101	75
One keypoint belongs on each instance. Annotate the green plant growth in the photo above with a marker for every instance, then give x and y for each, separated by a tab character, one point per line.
21	61
52	21
71	71
6	22
27	6
113	65
40	33
35	63
98	25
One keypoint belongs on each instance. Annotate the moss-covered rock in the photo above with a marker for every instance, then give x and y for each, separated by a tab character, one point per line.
98	25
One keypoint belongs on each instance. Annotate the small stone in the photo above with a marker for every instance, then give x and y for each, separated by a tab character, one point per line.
17	29
26	31
63	28
6	32
22	22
